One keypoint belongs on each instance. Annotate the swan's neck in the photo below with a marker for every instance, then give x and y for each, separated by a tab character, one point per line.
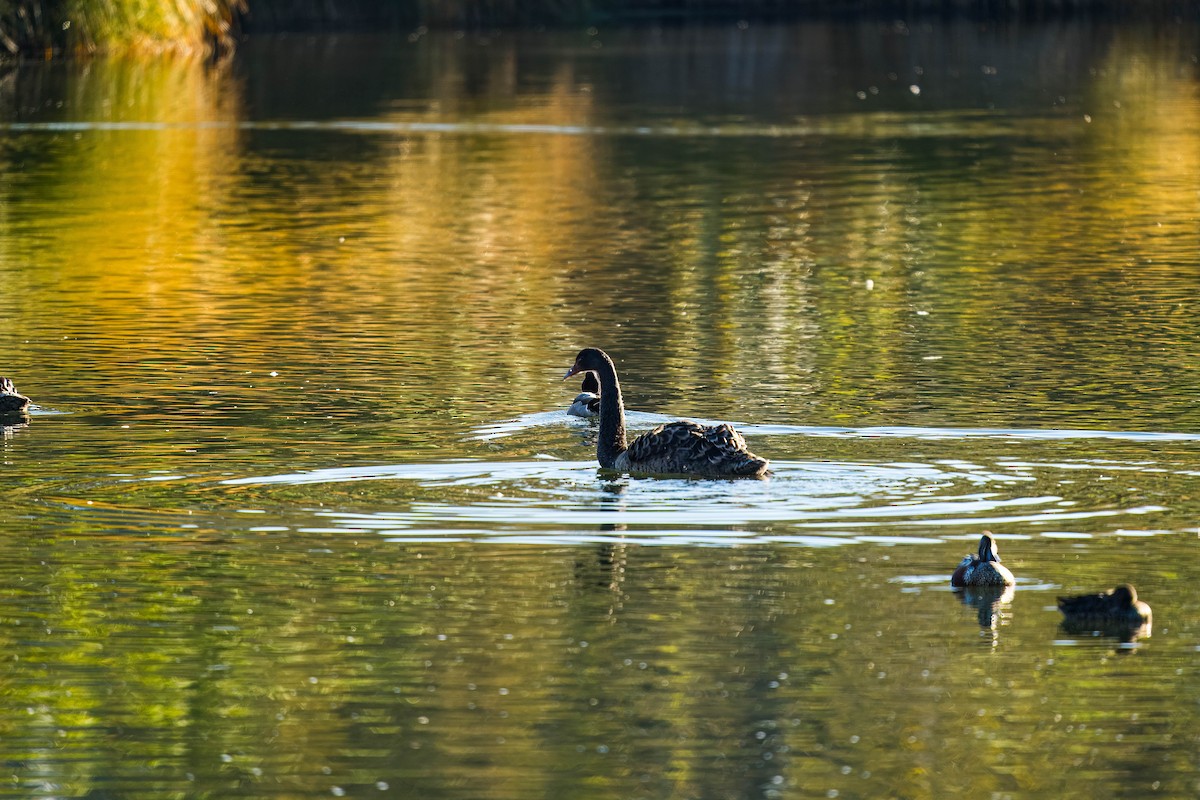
611	442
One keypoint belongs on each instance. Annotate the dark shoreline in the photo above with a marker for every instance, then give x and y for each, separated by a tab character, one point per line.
273	16
52	28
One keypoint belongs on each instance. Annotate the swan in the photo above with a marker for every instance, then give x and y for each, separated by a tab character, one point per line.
676	448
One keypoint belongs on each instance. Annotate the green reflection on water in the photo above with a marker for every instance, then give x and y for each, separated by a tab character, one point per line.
278	665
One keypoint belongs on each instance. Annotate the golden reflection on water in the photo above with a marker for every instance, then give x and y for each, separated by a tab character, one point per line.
530	245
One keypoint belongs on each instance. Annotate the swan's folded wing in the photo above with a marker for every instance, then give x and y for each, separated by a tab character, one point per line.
679	441
724	437
690	448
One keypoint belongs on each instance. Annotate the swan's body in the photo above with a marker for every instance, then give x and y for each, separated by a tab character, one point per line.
676	448
982	568
1119	606
12	403
587	402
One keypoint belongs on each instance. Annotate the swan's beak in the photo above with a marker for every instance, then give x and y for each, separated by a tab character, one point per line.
572	371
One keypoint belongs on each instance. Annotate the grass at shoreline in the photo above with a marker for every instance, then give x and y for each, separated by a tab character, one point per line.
52	28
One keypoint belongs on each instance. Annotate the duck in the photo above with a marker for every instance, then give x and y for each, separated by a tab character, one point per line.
1118	606
674	448
982	568
13	404
587	402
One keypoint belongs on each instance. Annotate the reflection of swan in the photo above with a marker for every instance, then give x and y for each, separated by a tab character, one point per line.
1117	612
13	405
983	568
675	448
604	567
587	402
610	557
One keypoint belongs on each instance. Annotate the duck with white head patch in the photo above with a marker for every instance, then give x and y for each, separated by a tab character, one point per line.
982	568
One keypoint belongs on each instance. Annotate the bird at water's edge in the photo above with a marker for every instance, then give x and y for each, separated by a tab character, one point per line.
982	568
12	403
676	448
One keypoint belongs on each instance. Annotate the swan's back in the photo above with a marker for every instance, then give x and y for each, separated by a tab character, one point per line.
689	448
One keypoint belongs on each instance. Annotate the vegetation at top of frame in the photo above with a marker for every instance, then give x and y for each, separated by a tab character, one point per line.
276	15
73	27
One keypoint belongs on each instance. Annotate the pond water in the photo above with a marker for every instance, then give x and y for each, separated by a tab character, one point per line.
299	513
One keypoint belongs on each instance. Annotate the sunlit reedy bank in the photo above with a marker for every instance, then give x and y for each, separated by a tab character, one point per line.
47	28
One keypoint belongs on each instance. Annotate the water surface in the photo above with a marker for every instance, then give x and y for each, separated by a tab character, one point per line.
300	513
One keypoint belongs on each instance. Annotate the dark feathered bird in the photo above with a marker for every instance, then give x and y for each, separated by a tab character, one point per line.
676	448
983	568
12	403
587	402
1118	606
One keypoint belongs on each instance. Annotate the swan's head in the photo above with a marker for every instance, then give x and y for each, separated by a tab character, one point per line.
587	402
589	359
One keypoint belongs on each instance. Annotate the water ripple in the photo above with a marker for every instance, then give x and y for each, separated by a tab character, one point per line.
871	125
805	503
636	420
